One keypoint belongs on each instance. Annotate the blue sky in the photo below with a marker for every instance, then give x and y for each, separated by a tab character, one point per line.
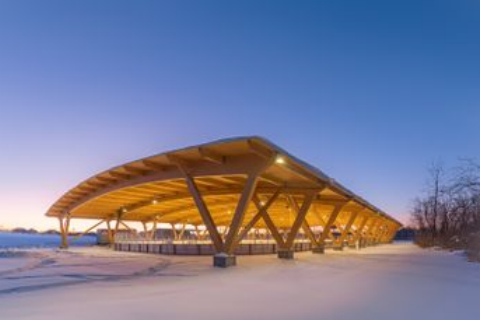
371	92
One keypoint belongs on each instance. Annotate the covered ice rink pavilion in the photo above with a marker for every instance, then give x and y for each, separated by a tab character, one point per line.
235	196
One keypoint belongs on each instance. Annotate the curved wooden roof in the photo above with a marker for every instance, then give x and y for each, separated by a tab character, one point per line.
154	188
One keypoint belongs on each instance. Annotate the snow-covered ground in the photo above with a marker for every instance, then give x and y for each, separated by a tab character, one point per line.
397	281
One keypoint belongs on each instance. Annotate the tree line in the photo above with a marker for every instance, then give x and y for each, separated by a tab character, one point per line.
447	213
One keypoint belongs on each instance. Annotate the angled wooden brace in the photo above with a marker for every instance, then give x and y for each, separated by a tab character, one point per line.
305	225
262	210
347	228
201	206
332	218
301	215
269	223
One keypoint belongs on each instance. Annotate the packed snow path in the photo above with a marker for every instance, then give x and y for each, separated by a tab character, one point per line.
397	281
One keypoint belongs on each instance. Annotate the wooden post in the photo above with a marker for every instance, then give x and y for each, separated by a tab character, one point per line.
323	224
269	223
153	232
332	218
224	232
144	224
117	225
109	232
380	232
348	226
300	218
359	231
262	210
174	232
370	229
197	232
64	226
205	214
240	211
305	226
182	231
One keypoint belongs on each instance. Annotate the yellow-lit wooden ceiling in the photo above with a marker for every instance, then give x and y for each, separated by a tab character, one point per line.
154	188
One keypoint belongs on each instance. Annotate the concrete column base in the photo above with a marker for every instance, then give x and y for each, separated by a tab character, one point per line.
285	254
224	260
318	250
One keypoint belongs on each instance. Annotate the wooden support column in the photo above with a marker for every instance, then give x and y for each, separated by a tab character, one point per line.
197	232
359	231
382	236
64	228
116	229
327	228
310	235
174	232
182	231
389	231
153	231
370	230
364	236
269	223
205	214
323	224
305	226
380	232
224	250
347	228
300	218
109	232
146	230
392	232
206	234
240	211
224	232
262	211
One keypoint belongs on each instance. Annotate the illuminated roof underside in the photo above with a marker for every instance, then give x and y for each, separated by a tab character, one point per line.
155	188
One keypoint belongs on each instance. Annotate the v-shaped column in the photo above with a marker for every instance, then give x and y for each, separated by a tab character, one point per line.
359	231
305	226
205	214
327	227
285	251
224	250
347	228
262	213
240	211
64	228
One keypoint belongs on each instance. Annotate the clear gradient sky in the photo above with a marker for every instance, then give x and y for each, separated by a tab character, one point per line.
371	92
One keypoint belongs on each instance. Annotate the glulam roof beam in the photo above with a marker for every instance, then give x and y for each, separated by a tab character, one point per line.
224	165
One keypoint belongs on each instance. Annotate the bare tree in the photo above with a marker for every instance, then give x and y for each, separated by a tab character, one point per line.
448	213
